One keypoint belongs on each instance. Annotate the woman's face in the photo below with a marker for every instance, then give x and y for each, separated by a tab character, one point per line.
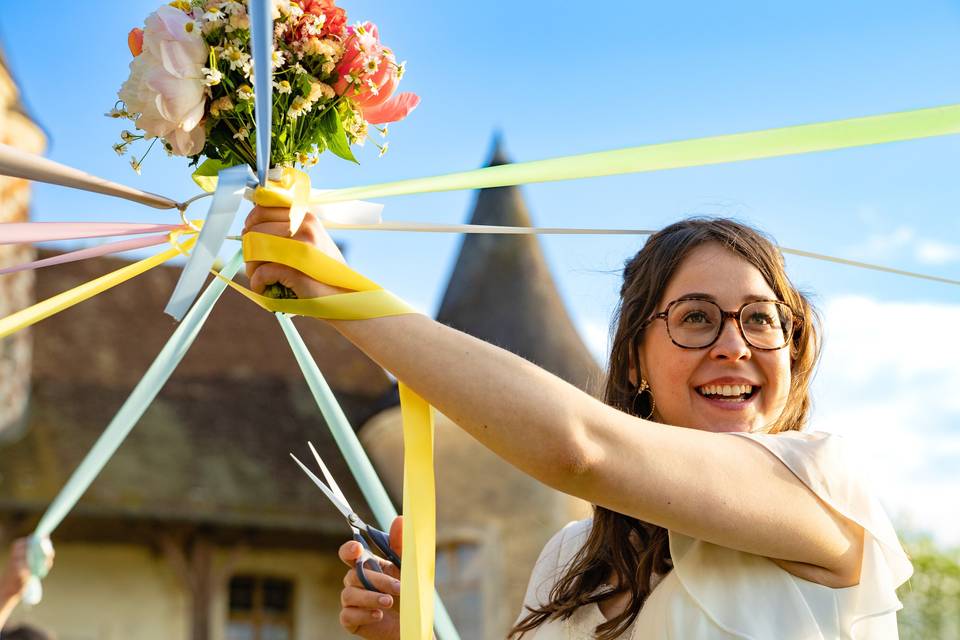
678	377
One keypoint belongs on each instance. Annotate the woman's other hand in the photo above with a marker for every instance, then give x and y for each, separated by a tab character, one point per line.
276	221
15	575
368	614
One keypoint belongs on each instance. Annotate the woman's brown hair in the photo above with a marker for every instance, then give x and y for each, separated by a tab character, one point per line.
627	548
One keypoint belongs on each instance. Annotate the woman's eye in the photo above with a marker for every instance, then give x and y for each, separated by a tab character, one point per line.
760	318
696	317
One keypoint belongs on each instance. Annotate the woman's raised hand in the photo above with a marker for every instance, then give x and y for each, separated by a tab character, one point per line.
276	221
368	614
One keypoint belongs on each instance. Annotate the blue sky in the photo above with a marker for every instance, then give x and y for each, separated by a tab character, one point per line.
565	78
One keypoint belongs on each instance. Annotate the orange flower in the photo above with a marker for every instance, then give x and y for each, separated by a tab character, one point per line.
135	41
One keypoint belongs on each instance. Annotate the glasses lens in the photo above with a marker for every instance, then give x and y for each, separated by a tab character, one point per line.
767	325
693	323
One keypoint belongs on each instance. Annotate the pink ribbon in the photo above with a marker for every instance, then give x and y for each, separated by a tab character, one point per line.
90	252
20	232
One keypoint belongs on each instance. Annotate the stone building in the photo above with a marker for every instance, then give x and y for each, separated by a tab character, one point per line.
18	130
200	527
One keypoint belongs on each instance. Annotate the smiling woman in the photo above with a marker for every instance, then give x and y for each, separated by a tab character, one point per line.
695	534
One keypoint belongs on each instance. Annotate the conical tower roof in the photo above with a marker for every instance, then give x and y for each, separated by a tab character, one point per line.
501	290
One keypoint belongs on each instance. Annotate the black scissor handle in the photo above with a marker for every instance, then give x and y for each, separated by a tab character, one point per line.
382	542
371	564
366	562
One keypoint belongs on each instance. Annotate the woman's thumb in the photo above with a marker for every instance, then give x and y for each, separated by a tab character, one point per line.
396	535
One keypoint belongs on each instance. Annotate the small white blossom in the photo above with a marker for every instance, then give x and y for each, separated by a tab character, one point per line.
298	107
211	77
135	165
383	149
214	15
119	149
242	134
126	136
245	92
371	64
282	87
236	58
277	59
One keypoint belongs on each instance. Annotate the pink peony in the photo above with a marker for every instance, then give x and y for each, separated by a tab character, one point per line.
166	81
368	74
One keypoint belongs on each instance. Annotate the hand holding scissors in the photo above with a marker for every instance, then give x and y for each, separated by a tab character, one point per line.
363	533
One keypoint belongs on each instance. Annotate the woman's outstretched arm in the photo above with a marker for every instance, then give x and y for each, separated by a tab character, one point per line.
713	487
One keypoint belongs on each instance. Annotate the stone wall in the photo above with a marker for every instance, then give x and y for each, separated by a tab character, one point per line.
16	290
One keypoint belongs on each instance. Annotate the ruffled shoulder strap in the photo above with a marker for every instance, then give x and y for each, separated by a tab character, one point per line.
823	462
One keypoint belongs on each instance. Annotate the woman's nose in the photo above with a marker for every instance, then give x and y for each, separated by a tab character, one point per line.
730	343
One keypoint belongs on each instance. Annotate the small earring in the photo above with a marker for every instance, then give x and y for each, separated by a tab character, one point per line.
644	386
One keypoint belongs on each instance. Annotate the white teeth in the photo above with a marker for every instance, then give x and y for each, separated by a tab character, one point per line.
728	390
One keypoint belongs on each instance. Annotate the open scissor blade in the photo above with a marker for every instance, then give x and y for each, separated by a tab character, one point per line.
334	498
327	475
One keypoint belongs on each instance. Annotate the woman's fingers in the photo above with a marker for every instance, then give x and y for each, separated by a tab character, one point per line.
352	618
260	214
387	583
271	272
396	536
349	552
363	599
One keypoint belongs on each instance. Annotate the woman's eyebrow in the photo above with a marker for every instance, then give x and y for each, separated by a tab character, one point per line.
706	296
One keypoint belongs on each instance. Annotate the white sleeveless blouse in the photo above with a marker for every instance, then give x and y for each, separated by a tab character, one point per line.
718	593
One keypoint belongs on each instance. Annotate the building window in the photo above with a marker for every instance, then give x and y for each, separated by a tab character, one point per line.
459	573
260	608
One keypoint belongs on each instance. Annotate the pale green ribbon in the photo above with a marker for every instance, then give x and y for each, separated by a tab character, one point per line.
357	460
123	423
769	143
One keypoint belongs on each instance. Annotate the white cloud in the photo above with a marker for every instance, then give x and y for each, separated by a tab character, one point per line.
934	252
890	383
904	242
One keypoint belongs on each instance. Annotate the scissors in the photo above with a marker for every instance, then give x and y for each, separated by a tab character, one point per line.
367	560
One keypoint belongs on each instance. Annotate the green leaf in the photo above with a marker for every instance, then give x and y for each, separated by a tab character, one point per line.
206	174
335	136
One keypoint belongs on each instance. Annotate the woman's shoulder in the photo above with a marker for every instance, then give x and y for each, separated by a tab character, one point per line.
565	543
556	556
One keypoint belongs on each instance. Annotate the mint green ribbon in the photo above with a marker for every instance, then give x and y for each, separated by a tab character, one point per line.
357	460
125	419
769	143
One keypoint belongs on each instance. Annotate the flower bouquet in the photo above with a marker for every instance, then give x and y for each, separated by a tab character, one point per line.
191	84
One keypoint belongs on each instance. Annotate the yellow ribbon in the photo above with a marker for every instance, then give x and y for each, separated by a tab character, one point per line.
46	308
366	300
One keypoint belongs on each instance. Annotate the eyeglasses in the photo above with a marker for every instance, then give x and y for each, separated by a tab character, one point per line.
695	323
